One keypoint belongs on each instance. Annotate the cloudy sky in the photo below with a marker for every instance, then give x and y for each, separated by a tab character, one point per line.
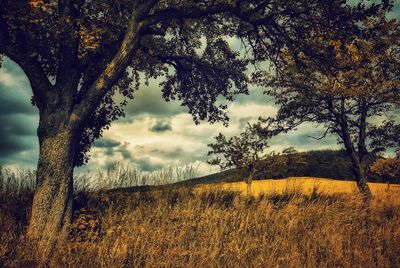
155	134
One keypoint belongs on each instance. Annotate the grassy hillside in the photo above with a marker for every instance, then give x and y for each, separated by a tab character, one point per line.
320	164
230	175
382	192
297	222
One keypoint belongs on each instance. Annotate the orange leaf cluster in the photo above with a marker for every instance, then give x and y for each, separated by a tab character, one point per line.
389	167
90	39
38	4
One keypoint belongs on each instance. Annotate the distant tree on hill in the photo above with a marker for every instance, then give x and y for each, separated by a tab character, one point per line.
387	169
349	83
245	152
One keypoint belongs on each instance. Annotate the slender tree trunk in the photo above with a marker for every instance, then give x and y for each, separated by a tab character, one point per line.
359	172
358	165
52	202
249	182
361	179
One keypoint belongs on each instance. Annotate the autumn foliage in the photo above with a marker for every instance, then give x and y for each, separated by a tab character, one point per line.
387	168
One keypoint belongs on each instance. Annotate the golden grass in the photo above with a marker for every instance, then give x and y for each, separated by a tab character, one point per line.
200	227
382	192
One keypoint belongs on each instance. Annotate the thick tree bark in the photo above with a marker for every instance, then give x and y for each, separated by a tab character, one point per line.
52	202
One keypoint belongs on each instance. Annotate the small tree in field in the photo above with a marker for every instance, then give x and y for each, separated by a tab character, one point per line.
387	168
348	83
245	152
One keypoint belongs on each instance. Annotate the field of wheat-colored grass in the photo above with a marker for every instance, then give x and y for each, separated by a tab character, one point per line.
382	192
290	225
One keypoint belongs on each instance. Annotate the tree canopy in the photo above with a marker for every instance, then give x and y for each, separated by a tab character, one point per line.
349	83
245	152
387	169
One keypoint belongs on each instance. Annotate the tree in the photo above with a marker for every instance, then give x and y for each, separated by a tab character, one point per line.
292	160
245	152
347	82
78	54
387	168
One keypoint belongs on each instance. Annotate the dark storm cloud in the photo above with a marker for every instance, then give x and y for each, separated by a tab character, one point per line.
12	144
123	150
149	101
19	125
18	118
106	143
18	137
112	147
12	104
145	164
161	126
304	139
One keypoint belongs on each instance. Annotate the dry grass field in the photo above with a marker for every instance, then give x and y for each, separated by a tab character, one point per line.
295	223
382	192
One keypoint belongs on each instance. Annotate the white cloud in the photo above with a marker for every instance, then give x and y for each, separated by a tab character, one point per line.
6	79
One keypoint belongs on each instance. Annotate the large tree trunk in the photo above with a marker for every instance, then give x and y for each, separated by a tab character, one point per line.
52	202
